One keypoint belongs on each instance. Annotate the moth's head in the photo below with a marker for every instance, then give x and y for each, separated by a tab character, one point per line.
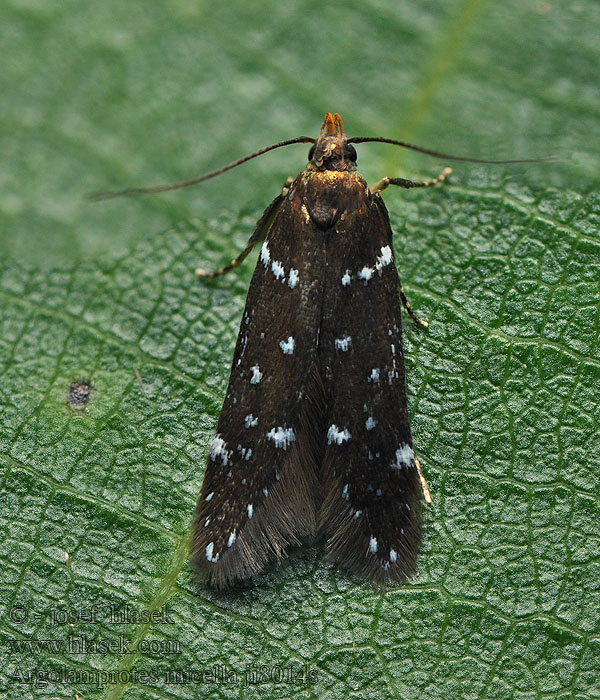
331	151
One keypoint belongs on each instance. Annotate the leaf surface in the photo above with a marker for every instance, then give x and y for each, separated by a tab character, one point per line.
503	385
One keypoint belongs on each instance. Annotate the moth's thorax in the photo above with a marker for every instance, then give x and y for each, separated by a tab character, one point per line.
327	196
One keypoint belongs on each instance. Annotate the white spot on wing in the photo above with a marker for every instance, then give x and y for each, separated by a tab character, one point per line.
250	510
265	254
384	259
282	437
365	274
209	552
334	434
393	555
287	347
293	278
250	421
345	493
373	545
278	270
256	374
374	375
218	449
370	423
231	539
343	343
245	452
209	497
405	458
346	278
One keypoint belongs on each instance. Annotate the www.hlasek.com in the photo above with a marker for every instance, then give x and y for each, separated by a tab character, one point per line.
80	644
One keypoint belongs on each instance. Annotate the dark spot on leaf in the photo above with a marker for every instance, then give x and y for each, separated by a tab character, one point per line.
79	393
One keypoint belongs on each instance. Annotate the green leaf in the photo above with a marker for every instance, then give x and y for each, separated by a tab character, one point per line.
503	385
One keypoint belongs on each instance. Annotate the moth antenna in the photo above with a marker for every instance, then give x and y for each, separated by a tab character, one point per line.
447	156
96	197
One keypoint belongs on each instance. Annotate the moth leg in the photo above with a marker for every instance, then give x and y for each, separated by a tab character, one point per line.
402	182
409	308
262	227
234	263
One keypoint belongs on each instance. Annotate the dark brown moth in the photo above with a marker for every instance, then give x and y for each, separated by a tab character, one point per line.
314	436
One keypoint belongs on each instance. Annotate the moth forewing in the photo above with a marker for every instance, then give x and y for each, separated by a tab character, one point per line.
259	490
372	512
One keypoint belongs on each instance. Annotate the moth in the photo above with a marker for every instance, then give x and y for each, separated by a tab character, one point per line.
314	435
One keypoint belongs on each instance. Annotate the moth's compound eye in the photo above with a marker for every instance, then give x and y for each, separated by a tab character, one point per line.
351	152
311	153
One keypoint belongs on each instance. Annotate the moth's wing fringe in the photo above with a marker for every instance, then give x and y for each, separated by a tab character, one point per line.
346	533
289	514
